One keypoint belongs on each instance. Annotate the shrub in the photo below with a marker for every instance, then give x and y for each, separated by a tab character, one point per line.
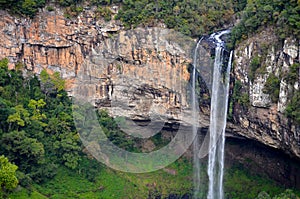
239	96
293	108
29	8
272	87
254	65
293	74
50	8
104	12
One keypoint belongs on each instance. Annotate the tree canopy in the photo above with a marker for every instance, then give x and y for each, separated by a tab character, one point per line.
8	179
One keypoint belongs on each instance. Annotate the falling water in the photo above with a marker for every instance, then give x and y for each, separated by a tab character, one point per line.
218	114
196	143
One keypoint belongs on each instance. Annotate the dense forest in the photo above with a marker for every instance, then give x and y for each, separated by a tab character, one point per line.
37	132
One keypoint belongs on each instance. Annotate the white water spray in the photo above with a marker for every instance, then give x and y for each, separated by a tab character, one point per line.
196	160
218	115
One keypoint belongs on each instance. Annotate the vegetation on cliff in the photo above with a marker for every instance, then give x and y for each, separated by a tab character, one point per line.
282	14
22	7
293	108
190	17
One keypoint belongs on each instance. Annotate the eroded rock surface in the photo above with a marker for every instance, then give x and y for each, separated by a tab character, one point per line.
265	121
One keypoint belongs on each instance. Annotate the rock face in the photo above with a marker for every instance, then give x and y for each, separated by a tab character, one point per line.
143	73
133	73
140	74
265	121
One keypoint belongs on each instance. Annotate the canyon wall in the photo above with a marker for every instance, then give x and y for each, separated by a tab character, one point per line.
264	120
144	72
136	68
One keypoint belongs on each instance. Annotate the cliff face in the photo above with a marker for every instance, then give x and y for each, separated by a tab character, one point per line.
139	72
264	120
129	71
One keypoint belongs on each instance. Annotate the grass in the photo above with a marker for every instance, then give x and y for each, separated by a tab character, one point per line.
25	194
239	184
68	184
175	179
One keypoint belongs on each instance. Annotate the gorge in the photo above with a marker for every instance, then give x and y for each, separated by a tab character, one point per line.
146	76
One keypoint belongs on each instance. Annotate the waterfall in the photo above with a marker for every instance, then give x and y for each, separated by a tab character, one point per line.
218	114
196	160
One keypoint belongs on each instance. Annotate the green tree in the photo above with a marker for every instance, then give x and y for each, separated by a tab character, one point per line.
37	131
23	150
58	82
37	114
3	71
8	179
51	83
18	118
29	7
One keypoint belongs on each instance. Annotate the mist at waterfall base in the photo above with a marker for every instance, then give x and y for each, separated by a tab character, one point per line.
219	89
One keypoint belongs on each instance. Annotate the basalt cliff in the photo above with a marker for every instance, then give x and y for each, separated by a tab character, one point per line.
144	73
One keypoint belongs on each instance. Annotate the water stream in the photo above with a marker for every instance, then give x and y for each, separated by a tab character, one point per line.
196	160
218	114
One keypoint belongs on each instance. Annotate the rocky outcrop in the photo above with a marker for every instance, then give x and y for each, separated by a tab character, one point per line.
138	73
133	73
265	121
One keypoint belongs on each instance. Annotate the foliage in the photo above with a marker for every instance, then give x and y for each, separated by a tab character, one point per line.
50	8
93	180
272	87
73	11
293	74
288	194
30	7
52	81
254	65
23	7
8	179
23	150
114	133
293	108
190	17
107	183
263	195
239	96
238	183
104	12
283	15
37	130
